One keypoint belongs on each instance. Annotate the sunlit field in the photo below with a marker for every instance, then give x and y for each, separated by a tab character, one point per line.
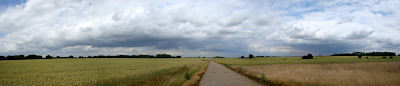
332	70
98	71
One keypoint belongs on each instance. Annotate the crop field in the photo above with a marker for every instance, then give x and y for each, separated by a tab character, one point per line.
99	71
331	70
298	60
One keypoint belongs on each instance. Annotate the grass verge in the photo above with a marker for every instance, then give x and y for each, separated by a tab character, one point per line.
195	79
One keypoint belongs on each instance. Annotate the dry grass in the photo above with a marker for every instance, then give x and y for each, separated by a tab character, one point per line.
195	79
349	74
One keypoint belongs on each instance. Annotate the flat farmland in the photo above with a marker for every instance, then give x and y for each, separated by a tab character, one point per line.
98	71
298	60
329	70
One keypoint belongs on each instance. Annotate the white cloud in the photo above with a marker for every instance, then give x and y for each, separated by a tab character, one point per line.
207	26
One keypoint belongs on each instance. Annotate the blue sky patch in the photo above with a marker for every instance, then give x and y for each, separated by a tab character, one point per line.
2	35
4	4
11	2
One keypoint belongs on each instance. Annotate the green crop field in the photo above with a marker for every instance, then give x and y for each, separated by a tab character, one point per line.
94	71
298	60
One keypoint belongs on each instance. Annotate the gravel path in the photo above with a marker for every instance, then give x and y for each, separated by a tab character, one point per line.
219	75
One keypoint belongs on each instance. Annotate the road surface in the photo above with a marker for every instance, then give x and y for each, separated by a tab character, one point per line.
219	75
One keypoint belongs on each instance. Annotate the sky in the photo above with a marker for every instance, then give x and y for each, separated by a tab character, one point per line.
228	28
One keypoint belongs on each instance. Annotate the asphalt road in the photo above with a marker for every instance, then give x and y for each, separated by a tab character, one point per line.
219	75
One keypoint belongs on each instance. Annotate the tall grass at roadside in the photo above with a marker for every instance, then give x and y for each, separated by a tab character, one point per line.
196	77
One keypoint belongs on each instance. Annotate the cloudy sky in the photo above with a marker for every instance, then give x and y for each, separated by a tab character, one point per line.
198	27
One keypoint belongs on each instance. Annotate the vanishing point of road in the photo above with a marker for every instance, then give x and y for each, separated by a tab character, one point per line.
219	75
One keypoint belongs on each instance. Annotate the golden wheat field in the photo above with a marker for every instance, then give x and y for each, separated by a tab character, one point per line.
329	71
98	71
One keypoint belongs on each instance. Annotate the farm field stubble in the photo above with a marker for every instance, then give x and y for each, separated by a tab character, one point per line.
97	71
330	70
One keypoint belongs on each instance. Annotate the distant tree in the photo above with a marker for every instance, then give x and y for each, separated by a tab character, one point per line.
242	57
251	56
2	57
163	56
81	57
34	57
16	57
219	57
48	57
101	56
70	56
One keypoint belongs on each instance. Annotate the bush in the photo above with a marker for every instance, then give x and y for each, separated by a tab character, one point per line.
263	77
187	76
309	56
304	57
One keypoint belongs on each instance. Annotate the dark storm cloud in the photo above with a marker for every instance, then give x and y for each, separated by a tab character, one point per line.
359	34
327	49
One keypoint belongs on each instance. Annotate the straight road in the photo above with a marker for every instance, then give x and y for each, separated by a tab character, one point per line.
219	75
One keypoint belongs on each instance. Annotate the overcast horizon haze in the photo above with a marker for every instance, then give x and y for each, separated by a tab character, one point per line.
198	27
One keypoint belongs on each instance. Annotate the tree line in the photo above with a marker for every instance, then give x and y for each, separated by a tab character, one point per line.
18	57
366	54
